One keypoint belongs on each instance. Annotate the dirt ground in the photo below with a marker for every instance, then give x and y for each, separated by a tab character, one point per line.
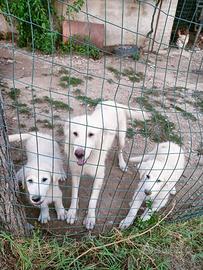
171	81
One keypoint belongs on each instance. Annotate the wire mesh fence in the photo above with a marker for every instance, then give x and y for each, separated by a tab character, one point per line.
78	116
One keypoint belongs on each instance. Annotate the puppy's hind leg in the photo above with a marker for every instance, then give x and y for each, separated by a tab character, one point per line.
121	140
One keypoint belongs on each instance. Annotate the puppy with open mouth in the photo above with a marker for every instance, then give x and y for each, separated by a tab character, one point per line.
41	173
88	138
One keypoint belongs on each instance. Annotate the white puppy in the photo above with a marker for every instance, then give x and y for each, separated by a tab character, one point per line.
88	139
41	173
159	172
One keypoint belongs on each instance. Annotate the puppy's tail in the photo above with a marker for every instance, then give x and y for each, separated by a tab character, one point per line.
19	137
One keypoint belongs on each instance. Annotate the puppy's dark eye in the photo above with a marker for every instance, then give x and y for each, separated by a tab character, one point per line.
148	176
90	134
158	180
30	181
44	179
75	134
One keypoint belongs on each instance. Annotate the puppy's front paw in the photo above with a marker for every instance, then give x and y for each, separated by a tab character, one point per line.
71	216
89	222
125	223
61	214
43	218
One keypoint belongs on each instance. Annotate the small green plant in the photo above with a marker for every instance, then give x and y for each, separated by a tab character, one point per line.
33	129
77	91
185	114
136	56
89	101
57	104
46	123
81	46
22	108
67	81
130	133
116	72
14	93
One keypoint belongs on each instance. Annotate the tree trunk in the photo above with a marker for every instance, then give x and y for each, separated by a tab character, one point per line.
12	215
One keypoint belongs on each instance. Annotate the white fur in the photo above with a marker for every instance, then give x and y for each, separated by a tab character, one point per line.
44	161
164	165
108	120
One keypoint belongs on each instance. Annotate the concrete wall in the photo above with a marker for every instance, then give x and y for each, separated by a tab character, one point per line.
128	21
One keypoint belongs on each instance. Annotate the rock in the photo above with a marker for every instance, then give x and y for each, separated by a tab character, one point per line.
3	26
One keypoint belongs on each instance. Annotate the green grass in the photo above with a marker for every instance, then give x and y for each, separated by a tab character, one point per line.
128	72
66	81
185	114
89	101
14	93
161	247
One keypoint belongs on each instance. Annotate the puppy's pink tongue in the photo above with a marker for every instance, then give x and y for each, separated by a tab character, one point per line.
80	162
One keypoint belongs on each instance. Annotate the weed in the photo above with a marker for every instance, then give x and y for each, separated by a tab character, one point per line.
89	101
77	91
14	93
130	133
136	56
110	81
90	78
63	71
67	81
132	75
46	123
37	100
22	108
57	104
33	129
116	72
185	114
200	105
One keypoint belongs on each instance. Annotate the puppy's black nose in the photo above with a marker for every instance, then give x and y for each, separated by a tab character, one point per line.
147	192
36	198
79	153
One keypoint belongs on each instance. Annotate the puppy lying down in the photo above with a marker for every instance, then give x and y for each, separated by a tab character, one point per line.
159	172
41	173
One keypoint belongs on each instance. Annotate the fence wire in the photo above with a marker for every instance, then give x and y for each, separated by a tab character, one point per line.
149	92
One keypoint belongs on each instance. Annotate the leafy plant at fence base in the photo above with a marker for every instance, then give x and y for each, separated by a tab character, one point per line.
81	46
34	23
